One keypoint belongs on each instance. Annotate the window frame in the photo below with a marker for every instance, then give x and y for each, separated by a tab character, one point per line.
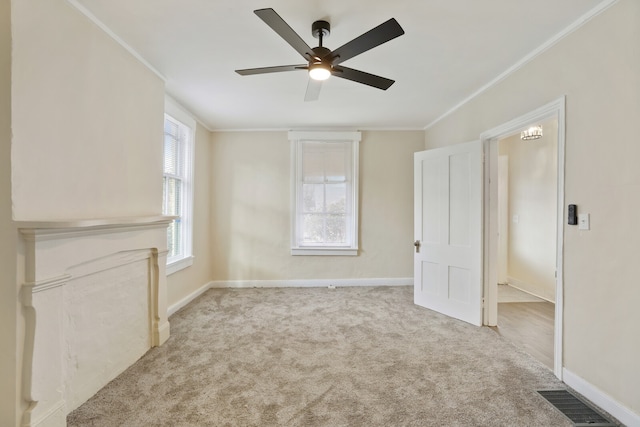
297	138
175	113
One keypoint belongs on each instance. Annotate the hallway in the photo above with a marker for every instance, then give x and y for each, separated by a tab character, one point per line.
526	321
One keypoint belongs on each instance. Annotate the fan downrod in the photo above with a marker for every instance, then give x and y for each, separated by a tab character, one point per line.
320	30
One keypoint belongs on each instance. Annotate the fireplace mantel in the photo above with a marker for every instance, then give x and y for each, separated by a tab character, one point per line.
94	301
68	227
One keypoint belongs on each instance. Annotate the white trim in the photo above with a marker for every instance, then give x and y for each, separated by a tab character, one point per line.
177	113
56	415
323	251
175	307
179	264
303	283
360	128
525	287
297	139
312	283
601	399
295	135
83	10
170	99
515	125
552	109
117	259
601	7
56	229
46	284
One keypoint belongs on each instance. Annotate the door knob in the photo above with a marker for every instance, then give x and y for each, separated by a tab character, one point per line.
417	245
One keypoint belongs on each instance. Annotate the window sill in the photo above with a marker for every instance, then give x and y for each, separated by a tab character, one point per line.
325	251
180	264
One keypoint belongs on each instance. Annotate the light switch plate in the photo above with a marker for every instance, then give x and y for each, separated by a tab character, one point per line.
583	221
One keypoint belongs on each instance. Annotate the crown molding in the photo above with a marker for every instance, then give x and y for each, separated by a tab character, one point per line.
83	10
601	7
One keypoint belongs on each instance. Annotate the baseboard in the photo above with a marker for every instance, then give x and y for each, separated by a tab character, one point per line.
54	416
318	283
315	283
162	334
601	399
173	308
524	287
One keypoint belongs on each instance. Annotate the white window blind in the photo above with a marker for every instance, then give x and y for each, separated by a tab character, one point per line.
325	188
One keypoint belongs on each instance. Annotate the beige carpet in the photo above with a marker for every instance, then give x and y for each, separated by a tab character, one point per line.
321	357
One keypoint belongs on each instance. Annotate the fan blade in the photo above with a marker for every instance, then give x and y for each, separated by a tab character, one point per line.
277	24
362	77
384	32
313	90
264	70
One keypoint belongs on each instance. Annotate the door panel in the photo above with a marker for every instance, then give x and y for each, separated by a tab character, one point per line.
430	218
448	219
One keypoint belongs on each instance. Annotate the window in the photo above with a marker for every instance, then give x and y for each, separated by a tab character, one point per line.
177	195
325	193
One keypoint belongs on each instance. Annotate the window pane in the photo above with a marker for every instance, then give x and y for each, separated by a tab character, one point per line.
337	157
313	228
174	238
324	229
164	195
336	198
171	155
336	229
173	196
171	128
312	162
313	197
172	206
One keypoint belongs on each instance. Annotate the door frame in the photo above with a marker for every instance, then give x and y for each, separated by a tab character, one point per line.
489	138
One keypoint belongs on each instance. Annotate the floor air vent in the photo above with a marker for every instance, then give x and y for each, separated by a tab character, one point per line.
575	409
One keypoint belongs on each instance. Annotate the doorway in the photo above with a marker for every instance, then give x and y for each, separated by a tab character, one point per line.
524	211
527	229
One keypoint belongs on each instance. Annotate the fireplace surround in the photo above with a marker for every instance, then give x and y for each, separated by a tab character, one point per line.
94	301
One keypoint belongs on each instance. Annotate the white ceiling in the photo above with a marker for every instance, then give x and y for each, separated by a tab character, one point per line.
450	49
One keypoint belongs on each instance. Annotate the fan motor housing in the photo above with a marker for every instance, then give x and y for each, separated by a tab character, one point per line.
321	52
319	28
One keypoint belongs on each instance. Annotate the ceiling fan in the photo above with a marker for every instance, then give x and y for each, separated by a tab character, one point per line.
322	62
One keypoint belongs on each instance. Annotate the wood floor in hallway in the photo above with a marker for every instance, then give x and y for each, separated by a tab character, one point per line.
530	326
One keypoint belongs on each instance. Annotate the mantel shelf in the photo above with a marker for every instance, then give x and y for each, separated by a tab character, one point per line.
33	228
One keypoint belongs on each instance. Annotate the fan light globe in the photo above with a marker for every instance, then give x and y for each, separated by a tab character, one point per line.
319	72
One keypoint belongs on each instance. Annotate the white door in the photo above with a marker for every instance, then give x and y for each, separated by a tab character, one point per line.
448	187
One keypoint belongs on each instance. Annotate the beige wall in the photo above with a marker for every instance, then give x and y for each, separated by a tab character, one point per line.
8	235
87	118
184	282
598	68
532	198
250	211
